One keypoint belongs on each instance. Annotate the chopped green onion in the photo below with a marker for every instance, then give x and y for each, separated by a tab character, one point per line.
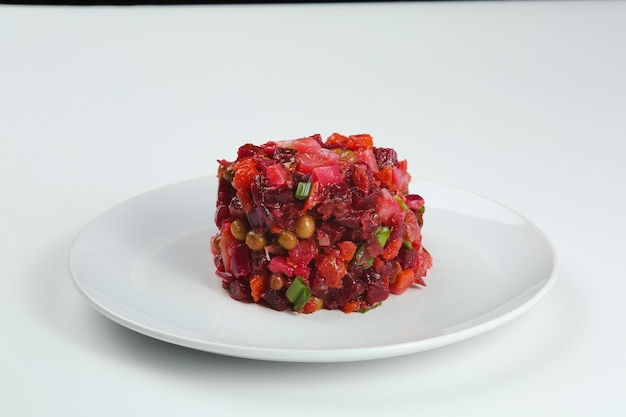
298	293
382	234
422	209
365	310
407	244
303	190
359	258
402	204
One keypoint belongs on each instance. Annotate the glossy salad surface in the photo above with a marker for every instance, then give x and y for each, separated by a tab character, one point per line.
306	224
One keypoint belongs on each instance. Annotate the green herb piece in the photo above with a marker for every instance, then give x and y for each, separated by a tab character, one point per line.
359	258
402	204
382	234
407	244
298	293
303	190
365	310
422	209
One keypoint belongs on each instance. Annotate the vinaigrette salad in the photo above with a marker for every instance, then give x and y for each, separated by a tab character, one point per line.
307	224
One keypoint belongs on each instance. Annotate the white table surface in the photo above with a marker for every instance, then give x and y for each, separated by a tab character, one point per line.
523	102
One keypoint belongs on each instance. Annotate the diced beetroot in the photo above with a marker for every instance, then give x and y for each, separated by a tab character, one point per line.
275	300
302	271
367	202
367	156
281	264
260	219
235	208
284	217
240	259
284	155
413	229
385	156
302	145
400	179
226	240
362	178
414	201
351	289
330	233
221	214
350	220
258	262
424	262
225	192
326	175
377	287
372	247
337	201
304	252
276	175
388	207
408	258
269	148
306	162
387	269
217	260
240	290
262	194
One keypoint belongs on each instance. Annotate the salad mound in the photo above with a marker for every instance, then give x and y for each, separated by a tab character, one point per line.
307	224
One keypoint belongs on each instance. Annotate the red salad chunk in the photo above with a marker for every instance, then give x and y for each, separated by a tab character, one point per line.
307	224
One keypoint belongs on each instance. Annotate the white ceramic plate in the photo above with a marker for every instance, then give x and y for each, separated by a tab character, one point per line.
146	264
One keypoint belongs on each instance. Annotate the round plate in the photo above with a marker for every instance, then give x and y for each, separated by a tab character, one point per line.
146	264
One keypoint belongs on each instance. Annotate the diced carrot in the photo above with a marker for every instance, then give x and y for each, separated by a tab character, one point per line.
244	171
337	141
258	285
313	305
385	176
361	141
331	269
347	249
351	307
392	248
403	281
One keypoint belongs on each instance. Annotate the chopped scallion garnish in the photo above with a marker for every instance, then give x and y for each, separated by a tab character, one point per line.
382	234
402	203
303	190
298	293
360	259
365	310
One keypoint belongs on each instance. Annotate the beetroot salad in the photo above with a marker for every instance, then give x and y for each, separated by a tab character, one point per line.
307	224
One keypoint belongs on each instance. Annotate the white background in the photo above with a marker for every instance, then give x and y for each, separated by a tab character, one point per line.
523	102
